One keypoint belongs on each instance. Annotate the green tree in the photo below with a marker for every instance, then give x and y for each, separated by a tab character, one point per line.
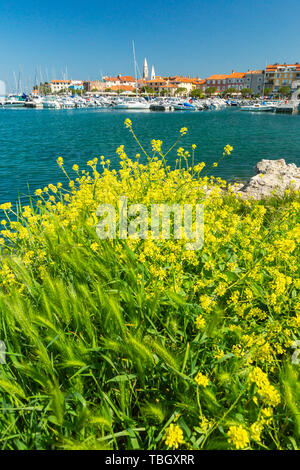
180	91
231	91
44	88
267	91
197	93
246	92
210	90
284	90
146	89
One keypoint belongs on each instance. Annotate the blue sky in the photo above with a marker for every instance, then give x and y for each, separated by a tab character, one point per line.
191	38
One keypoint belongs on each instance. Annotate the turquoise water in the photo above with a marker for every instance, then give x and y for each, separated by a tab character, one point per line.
32	139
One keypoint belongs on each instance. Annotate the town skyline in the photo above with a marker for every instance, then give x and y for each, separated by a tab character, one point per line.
194	40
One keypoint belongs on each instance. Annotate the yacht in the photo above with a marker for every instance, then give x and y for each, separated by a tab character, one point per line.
258	107
131	104
51	103
184	107
14	102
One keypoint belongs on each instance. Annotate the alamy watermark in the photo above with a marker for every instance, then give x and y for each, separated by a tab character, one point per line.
2	353
296	353
163	221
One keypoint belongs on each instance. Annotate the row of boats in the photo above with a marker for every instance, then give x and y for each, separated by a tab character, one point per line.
138	103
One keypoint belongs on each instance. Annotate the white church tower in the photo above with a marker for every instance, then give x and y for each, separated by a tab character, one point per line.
145	70
152	73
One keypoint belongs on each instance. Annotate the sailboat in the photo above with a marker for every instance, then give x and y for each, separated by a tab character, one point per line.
132	103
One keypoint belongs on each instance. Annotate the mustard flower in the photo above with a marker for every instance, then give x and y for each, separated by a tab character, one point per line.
128	123
183	130
200	322
60	161
173	436
201	380
238	436
6	206
156	145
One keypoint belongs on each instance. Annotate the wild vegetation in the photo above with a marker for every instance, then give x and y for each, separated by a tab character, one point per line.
140	343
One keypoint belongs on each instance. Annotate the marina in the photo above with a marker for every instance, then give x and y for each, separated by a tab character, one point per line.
147	103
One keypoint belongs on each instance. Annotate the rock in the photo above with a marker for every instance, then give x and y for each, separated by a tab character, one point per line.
272	177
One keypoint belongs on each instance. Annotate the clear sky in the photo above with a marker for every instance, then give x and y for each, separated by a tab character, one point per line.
94	38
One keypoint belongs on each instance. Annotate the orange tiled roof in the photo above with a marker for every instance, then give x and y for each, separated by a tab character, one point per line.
126	78
183	79
224	76
156	80
60	81
254	71
122	88
274	67
218	77
237	75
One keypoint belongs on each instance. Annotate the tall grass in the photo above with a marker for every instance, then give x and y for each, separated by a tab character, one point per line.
104	338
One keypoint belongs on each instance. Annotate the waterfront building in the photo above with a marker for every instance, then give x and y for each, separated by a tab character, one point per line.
279	75
254	79
94	85
157	83
188	83
123	88
202	85
76	85
59	85
224	81
126	80
236	80
217	81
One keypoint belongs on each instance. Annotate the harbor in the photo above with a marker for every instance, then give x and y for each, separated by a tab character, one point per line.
148	103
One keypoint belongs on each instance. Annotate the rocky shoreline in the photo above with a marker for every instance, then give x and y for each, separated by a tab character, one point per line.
272	178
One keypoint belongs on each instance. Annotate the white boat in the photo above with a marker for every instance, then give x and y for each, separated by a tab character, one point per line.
184	107
258	107
51	103
35	102
131	104
14	102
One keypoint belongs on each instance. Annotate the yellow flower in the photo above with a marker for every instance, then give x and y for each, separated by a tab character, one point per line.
183	130
75	167
200	322
128	123
38	192
6	206
238	436
256	430
156	145
60	161
94	246
173	436
201	380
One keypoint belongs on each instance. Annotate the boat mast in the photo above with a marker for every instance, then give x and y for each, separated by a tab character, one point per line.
133	49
